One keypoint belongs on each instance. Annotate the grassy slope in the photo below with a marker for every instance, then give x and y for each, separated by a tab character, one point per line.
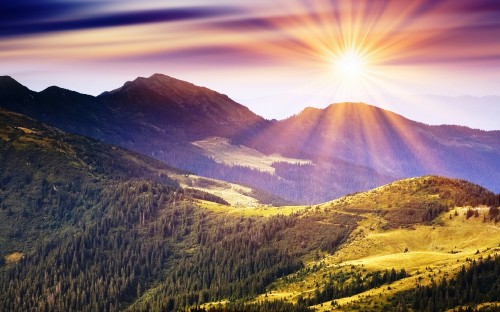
222	151
400	194
262	211
435	250
235	194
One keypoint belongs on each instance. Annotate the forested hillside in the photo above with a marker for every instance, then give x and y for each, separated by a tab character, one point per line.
87	226
91	227
480	282
416	200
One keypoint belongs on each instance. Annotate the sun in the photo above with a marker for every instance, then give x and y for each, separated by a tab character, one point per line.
350	65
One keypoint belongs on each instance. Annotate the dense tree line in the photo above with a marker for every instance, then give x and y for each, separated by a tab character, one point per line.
417	201
143	232
423	211
480	282
341	285
238	258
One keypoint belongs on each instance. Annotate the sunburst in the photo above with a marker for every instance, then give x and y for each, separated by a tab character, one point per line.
350	65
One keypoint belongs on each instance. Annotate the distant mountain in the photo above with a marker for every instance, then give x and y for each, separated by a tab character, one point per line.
389	143
475	112
164	101
353	147
158	116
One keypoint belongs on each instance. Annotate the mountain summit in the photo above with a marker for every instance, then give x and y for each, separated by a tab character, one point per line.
166	100
13	91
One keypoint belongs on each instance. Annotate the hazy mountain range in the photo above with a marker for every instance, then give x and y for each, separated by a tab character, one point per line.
160	116
89	226
465	110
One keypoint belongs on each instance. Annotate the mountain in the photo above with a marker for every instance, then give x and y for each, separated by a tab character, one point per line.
162	100
90	226
466	110
345	148
386	142
145	106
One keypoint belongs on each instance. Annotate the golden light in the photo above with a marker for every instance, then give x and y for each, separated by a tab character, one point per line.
350	65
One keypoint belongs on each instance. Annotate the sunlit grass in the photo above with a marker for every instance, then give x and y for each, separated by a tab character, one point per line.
435	251
263	211
14	257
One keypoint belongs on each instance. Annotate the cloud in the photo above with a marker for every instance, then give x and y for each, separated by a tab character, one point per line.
478	6
213	55
19	12
28	17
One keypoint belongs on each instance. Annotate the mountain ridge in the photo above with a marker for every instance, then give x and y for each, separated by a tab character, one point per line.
388	142
155	77
160	116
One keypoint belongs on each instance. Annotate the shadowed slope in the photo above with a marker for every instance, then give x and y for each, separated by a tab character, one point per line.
386	142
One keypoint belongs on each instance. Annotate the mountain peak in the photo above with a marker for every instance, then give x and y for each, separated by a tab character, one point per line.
358	112
161	77
159	87
156	78
169	101
5	78
352	105
347	106
12	91
54	90
9	82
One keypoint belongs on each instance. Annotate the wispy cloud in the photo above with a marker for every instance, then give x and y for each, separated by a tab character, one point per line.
27	17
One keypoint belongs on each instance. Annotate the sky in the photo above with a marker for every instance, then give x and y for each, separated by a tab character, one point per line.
276	57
